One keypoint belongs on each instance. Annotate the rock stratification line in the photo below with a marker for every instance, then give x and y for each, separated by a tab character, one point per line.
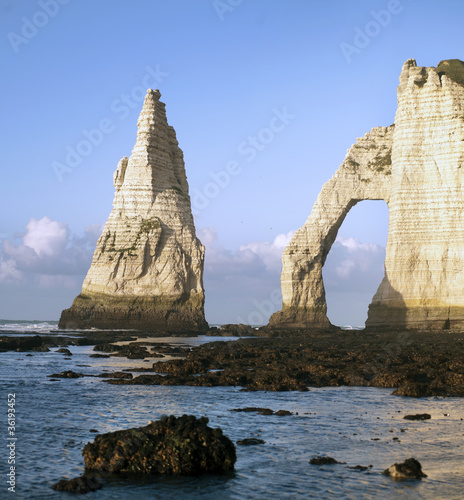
147	269
417	167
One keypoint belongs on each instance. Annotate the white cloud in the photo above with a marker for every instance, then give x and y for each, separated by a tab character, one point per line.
242	284
270	252
48	255
353	266
8	272
251	259
46	236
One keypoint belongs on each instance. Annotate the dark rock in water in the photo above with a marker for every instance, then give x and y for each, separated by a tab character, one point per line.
173	445
83	341
20	344
361	468
263	411
324	461
67	374
99	356
266	411
409	469
133	351
255	409
239	330
41	348
80	485
124	375
250	441
418	416
431	365
63	350
107	347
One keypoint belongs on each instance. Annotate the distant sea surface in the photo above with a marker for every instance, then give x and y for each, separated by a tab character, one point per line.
358	426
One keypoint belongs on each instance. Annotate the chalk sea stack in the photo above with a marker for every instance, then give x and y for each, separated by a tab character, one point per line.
416	166
147	269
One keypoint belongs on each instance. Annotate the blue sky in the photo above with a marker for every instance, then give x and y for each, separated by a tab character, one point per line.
324	73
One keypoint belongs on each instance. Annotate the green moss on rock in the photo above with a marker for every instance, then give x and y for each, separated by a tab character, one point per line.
453	69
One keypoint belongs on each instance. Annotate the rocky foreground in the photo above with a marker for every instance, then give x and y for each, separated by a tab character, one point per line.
412	363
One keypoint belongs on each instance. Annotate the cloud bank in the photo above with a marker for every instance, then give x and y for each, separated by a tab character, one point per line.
244	285
47	254
42	270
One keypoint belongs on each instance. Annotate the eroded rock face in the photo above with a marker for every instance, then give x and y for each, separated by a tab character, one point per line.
416	166
147	270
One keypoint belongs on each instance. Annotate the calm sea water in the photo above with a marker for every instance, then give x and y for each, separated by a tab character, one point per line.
353	425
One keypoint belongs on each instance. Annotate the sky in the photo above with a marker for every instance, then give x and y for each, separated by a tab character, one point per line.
280	89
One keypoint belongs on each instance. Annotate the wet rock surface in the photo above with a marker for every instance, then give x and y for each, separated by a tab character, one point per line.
324	461
418	416
239	330
67	374
63	350
413	363
80	485
360	468
250	441
172	445
392	359
263	411
409	469
124	375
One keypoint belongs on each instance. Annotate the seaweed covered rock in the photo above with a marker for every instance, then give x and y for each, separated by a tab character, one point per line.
172	445
80	485
20	344
324	461
409	469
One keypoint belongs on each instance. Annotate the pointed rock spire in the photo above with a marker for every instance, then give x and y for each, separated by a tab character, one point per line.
147	269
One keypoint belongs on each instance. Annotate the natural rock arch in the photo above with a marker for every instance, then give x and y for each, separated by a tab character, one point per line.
417	167
365	174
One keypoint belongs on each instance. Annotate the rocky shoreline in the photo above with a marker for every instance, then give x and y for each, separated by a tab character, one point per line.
413	363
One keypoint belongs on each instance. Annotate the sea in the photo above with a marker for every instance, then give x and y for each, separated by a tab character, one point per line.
355	425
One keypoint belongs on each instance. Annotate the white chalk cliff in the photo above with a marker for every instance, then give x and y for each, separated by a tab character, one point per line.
417	167
147	269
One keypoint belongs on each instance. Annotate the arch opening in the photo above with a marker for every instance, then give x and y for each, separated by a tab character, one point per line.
354	267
